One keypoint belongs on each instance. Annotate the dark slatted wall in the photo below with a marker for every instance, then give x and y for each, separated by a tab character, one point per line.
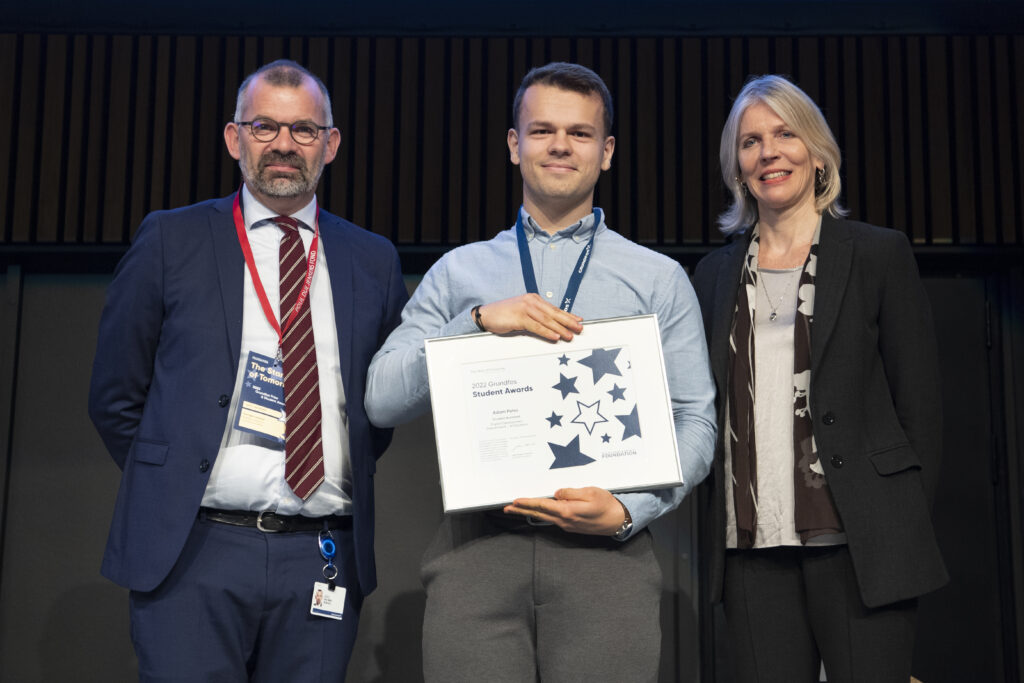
101	129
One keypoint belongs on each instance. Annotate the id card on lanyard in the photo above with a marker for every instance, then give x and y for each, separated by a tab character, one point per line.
530	278
261	404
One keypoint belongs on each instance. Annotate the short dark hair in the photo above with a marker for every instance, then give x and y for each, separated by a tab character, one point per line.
566	76
284	73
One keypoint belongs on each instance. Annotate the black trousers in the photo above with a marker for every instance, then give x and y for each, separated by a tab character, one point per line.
789	608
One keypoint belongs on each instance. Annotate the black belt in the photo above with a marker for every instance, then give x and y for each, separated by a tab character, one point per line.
271	522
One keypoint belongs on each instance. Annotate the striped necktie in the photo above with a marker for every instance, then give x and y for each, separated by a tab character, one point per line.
303	447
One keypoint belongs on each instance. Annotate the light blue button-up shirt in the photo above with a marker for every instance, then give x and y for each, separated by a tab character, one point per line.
623	278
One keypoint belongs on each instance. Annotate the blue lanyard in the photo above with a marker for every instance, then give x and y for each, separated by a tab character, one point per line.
577	273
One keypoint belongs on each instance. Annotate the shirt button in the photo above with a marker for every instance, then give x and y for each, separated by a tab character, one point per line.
828	418
549	294
204	466
837	461
552	247
223	400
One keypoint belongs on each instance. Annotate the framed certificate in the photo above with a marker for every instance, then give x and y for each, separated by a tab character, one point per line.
517	416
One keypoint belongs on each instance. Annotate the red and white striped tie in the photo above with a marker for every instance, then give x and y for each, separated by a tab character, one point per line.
303	446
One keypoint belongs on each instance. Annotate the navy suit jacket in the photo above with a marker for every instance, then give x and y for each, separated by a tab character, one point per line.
165	366
875	401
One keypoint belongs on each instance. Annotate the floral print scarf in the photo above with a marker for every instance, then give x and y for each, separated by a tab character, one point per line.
815	511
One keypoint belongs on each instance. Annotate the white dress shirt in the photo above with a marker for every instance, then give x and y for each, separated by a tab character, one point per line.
249	471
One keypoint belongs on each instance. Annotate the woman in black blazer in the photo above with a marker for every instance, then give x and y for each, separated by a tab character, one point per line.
824	356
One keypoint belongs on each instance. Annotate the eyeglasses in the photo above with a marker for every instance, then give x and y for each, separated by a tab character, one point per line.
266	130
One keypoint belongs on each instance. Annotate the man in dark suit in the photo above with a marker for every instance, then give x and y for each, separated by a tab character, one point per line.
228	386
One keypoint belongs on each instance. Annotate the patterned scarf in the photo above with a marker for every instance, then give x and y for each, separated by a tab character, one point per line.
815	512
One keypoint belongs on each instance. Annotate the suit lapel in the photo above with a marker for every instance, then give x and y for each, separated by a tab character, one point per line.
835	254
341	269
230	265
728	281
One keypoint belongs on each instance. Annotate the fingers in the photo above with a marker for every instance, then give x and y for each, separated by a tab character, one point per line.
532	314
588	510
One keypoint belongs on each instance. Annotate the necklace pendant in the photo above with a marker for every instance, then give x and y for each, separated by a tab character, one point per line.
773	316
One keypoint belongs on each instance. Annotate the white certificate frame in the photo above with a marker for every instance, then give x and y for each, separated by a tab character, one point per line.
491	399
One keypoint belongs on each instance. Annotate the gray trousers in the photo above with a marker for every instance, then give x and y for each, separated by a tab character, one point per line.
507	602
787	609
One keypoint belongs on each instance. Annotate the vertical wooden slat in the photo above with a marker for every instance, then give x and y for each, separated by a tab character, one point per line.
964	169
96	135
667	130
432	131
116	104
454	224
643	174
782	56
160	73
915	129
230	78
403	188
899	127
1007	224
10	58
497	213
719	93
341	83
758	62
138	195
362	116
808	68
1016	46
696	135
872	93
77	142
622	176
850	128
181	134
48	227
24	168
605	195
386	108
473	106
983	97
560	50
940	210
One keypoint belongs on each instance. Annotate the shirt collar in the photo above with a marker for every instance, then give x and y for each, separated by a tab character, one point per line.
257	215
580	231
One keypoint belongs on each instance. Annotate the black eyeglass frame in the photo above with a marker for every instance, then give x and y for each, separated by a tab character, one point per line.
282	124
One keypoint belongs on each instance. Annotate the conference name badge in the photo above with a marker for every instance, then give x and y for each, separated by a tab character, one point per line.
328	601
261	404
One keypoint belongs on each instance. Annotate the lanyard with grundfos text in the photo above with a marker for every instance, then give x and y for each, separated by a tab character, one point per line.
250	262
577	274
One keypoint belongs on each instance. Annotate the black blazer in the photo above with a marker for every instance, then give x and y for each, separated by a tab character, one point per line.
874	399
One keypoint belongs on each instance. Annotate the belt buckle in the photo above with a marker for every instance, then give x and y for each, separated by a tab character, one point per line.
259	523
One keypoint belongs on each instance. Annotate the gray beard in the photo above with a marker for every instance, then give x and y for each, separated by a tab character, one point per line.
281	186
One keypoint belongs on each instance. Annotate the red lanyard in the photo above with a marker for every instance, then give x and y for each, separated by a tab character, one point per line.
250	262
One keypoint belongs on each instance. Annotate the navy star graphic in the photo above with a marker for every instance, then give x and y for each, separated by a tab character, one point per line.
589	415
605	438
567	385
563	359
617	393
568	455
555	420
602	363
631	423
